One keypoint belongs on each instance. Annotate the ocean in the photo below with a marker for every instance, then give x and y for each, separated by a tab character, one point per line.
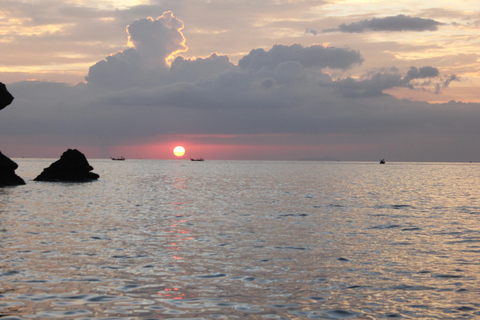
161	239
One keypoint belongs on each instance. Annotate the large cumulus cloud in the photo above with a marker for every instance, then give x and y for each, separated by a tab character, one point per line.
153	42
158	39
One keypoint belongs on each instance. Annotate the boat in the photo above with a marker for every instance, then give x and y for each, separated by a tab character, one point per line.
198	159
118	159
382	161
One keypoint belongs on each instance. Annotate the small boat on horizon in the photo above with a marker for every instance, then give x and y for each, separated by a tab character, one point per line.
118	159
198	159
382	161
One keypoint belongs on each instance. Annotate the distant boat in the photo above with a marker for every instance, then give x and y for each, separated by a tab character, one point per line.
382	161
118	159
198	159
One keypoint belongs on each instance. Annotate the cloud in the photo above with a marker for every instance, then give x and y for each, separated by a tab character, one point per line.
415	79
157	40
193	69
425	72
425	78
314	56
395	23
153	43
373	86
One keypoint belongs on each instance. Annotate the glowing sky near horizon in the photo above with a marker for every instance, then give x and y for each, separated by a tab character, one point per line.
60	43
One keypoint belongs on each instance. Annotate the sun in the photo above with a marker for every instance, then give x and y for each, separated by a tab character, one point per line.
179	151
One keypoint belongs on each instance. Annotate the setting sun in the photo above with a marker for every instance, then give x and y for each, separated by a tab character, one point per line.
179	151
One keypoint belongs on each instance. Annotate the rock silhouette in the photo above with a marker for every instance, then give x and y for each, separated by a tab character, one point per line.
7	172
5	97
71	167
7	166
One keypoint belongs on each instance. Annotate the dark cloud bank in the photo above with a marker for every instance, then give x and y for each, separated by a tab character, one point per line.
135	94
396	23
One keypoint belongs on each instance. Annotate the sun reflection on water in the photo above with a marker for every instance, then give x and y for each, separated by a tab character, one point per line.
172	293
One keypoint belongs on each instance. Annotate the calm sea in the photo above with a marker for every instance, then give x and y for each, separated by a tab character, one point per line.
243	240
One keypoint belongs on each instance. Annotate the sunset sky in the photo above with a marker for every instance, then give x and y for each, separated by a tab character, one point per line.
260	80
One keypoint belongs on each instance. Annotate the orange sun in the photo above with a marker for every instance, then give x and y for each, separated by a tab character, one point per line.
179	151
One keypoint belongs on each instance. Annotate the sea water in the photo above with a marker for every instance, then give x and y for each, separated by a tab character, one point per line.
243	240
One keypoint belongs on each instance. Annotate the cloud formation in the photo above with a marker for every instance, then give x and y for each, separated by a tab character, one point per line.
157	40
152	42
374	84
395	23
314	56
416	78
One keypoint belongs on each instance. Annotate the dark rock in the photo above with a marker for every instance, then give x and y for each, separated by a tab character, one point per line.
5	97
71	167
7	172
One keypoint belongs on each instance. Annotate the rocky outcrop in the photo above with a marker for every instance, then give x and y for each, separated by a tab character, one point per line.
71	167
7	172
7	166
5	97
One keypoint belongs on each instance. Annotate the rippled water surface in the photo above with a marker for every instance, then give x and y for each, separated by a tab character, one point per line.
243	240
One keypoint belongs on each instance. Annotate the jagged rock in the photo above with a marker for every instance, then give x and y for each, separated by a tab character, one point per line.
71	167
5	97
7	172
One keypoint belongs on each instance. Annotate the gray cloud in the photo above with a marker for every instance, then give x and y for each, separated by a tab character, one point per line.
314	56
395	23
311	31
425	72
194	69
373	86
415	79
424	78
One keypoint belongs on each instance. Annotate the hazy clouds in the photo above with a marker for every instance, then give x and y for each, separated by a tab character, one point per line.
289	94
